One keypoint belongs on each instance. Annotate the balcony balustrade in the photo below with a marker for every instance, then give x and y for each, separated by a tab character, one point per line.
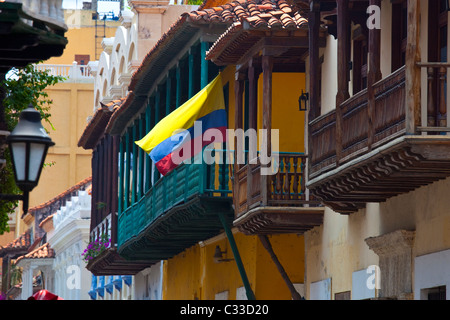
384	150
275	203
71	72
179	210
46	10
389	123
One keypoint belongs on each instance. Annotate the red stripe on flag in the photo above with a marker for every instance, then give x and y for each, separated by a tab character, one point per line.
165	165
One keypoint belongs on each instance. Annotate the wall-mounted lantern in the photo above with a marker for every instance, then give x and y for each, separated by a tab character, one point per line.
303	101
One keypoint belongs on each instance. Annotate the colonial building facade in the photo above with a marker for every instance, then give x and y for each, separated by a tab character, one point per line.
379	149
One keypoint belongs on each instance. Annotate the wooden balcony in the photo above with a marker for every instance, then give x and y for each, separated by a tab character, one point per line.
277	203
181	208
104	199
109	262
371	149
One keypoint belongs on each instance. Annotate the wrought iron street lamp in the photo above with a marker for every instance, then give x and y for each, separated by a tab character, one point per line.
28	144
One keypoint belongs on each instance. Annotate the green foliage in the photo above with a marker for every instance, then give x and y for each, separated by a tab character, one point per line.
8	185
194	2
25	85
16	275
96	247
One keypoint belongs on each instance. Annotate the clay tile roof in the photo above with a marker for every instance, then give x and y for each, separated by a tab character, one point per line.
22	242
260	16
82	184
47	219
89	190
42	252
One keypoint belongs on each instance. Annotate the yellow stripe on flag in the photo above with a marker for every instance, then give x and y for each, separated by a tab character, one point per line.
207	100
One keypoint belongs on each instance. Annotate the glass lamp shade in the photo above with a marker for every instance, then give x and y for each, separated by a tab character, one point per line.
28	143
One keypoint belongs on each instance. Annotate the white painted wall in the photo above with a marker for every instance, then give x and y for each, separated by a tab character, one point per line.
69	238
148	283
329	76
320	290
431	270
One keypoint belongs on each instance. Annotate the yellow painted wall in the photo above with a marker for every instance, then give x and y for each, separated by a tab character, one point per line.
70	109
69	164
72	104
286	116
193	274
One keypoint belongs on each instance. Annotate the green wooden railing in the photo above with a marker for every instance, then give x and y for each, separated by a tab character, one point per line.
177	187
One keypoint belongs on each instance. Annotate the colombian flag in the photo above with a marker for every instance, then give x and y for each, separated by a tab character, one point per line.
183	133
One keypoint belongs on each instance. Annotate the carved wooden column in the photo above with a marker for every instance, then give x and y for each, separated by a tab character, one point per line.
238	124
253	73
238	118
267	66
314	63
374	74
252	123
412	80
343	24
395	252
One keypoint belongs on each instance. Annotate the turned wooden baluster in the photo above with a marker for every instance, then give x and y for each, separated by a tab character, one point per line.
272	187
442	119
287	178
430	107
295	182
279	179
302	178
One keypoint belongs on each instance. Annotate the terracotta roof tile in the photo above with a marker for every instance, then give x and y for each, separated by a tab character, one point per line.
230	12
260	15
266	11
44	251
22	242
79	185
275	23
47	219
89	190
239	9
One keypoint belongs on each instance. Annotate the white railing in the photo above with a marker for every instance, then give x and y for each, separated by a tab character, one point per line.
69	71
78	207
104	228
45	10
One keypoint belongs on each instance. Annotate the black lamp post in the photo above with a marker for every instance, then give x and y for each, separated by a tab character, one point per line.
28	144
